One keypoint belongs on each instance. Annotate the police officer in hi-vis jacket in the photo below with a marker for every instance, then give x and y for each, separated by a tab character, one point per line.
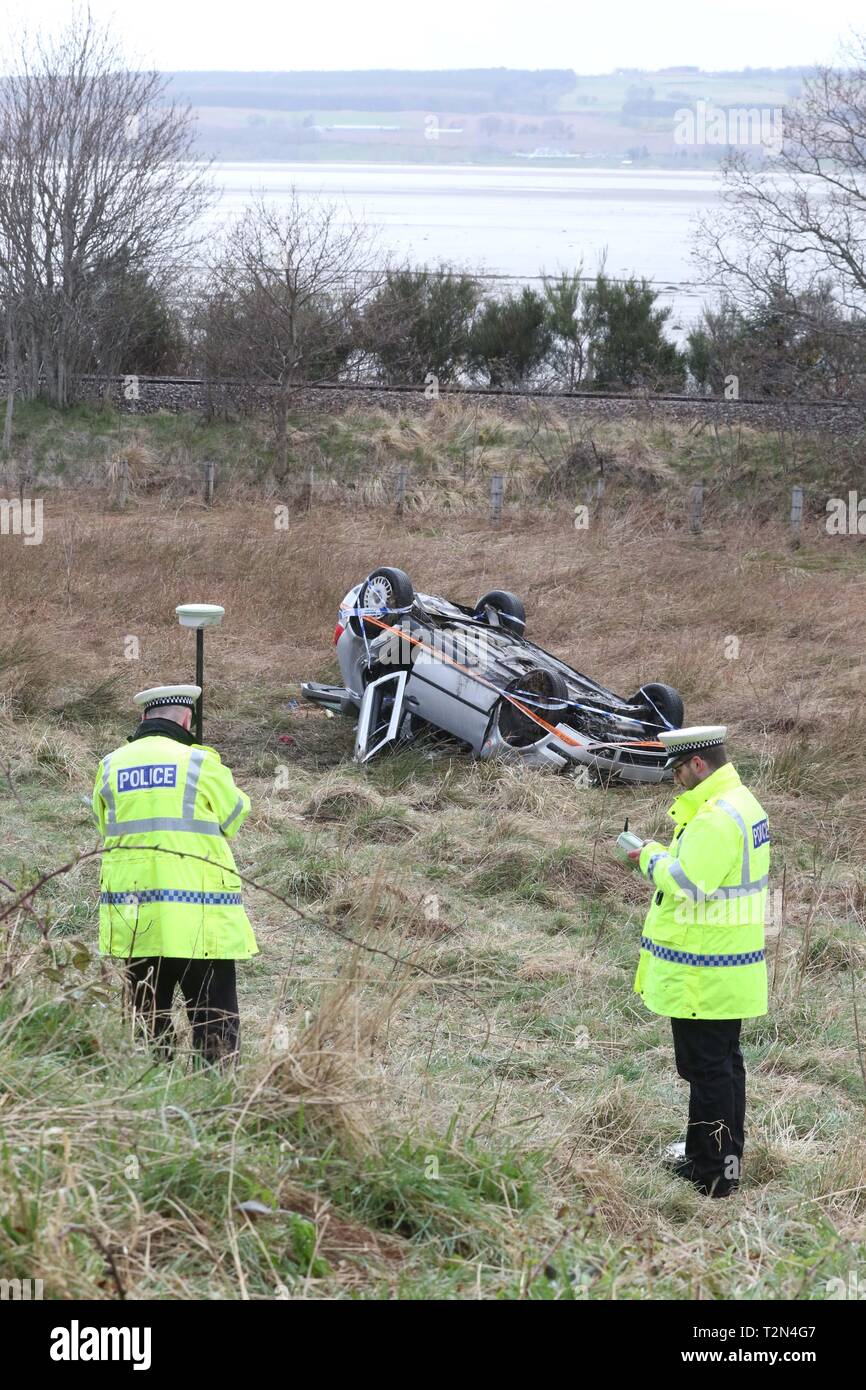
702	948
175	918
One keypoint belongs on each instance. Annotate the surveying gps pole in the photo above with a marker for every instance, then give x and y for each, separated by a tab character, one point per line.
199	616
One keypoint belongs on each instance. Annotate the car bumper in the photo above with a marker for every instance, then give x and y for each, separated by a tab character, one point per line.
569	747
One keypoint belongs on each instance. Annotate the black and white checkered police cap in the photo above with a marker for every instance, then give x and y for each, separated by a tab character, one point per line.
160	695
681	744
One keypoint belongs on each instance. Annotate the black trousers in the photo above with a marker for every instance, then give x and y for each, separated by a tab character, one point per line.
209	989
708	1056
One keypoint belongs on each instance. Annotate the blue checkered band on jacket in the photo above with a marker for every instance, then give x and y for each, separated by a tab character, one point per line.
170	895
689	957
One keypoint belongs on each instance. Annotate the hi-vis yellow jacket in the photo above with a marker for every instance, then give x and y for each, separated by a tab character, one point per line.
157	792
702	949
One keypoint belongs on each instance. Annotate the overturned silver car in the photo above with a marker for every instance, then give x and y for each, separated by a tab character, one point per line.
414	665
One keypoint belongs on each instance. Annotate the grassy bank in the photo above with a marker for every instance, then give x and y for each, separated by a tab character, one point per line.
450	453
448	1088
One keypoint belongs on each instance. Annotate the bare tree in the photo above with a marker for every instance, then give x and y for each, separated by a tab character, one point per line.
284	297
98	181
9	359
793	226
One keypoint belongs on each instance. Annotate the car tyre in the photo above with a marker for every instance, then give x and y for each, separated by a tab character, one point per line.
386	588
515	727
510	612
668	702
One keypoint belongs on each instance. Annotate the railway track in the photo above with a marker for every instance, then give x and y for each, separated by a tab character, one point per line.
493	392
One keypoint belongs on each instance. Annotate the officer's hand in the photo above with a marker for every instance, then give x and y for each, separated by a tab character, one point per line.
634	855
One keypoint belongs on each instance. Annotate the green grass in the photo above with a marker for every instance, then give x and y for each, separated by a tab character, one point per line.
469	1171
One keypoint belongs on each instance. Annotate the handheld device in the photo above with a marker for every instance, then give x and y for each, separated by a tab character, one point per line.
625	841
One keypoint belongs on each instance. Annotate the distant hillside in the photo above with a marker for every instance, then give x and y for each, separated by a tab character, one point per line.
472	116
469	89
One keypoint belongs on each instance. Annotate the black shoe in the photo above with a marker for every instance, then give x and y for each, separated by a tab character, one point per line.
686	1170
721	1187
716	1187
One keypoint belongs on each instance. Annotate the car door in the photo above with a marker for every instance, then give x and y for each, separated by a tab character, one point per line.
382	711
448	687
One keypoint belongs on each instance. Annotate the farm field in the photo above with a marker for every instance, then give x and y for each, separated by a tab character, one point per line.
489	118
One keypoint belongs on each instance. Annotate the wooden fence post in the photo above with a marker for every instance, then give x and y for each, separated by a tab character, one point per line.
697	507
496	490
796	514
208	484
122	483
400	500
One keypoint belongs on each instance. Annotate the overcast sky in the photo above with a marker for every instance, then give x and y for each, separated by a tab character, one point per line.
586	35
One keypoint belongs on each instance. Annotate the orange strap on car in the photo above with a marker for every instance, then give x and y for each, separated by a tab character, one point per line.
473	675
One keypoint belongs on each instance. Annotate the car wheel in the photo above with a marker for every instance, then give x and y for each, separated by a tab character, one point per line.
389	590
668	703
550	689
502	609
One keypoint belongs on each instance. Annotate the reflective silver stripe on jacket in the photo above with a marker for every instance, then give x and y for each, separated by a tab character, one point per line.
741	890
196	758
694	891
180	824
107	793
734	814
679	875
238	807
